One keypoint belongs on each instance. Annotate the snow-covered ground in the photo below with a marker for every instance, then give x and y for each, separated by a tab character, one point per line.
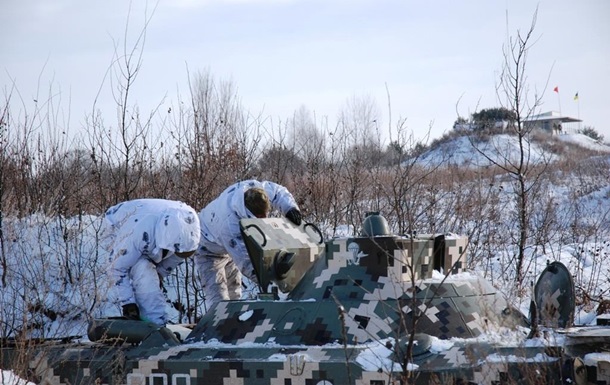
7	377
585	141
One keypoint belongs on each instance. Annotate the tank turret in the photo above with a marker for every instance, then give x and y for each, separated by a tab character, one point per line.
374	225
382	283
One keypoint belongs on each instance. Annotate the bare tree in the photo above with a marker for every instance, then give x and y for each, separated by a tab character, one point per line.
361	142
514	93
217	142
120	154
4	164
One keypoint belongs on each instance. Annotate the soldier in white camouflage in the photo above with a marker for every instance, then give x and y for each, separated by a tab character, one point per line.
147	239
222	257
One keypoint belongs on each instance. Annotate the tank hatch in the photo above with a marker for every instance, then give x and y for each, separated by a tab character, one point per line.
554	296
280	251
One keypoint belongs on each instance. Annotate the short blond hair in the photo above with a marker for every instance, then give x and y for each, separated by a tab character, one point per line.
257	202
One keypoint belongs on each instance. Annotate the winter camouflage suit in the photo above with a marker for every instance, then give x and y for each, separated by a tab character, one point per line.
143	237
222	256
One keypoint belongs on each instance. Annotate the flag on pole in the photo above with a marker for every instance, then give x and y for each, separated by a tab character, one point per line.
576	96
556	89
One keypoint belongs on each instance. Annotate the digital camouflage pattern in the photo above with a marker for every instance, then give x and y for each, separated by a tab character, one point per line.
349	310
554	288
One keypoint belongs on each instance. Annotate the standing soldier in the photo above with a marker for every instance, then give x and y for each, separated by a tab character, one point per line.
222	257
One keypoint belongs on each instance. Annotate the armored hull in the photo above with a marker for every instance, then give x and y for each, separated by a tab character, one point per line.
368	310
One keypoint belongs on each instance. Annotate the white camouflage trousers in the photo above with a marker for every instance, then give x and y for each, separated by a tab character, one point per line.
147	292
220	278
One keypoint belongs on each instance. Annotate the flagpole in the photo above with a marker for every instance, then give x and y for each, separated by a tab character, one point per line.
556	89
578	107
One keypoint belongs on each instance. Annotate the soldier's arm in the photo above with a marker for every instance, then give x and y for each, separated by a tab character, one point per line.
233	242
125	254
280	198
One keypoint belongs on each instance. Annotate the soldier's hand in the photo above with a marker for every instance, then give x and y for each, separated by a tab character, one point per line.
294	216
131	311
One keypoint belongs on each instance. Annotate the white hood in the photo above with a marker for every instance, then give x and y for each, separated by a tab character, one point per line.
178	230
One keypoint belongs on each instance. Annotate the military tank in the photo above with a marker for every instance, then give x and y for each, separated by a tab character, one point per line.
375	309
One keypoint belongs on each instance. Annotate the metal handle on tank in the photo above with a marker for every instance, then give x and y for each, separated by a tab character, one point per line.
260	231
316	229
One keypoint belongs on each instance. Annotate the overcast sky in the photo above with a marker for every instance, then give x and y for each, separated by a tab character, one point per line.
282	54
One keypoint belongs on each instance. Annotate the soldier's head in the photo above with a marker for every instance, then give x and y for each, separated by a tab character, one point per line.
257	202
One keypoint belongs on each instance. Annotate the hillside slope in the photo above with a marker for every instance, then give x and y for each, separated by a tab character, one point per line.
473	151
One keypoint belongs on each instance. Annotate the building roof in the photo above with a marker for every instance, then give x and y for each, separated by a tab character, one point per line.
551	116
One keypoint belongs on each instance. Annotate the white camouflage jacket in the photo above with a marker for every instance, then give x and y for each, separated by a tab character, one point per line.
141	228
220	218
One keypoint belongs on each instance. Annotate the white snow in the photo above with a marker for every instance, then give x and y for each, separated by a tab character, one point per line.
246	315
585	142
591	359
7	377
378	357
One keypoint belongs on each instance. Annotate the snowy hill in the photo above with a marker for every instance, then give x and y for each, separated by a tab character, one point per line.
470	151
585	141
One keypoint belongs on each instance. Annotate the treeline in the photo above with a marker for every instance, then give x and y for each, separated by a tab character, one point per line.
192	152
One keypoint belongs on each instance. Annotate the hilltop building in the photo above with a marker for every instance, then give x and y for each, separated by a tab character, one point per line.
554	122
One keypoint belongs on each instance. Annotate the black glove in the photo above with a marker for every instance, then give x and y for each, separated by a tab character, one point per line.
294	216
131	311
